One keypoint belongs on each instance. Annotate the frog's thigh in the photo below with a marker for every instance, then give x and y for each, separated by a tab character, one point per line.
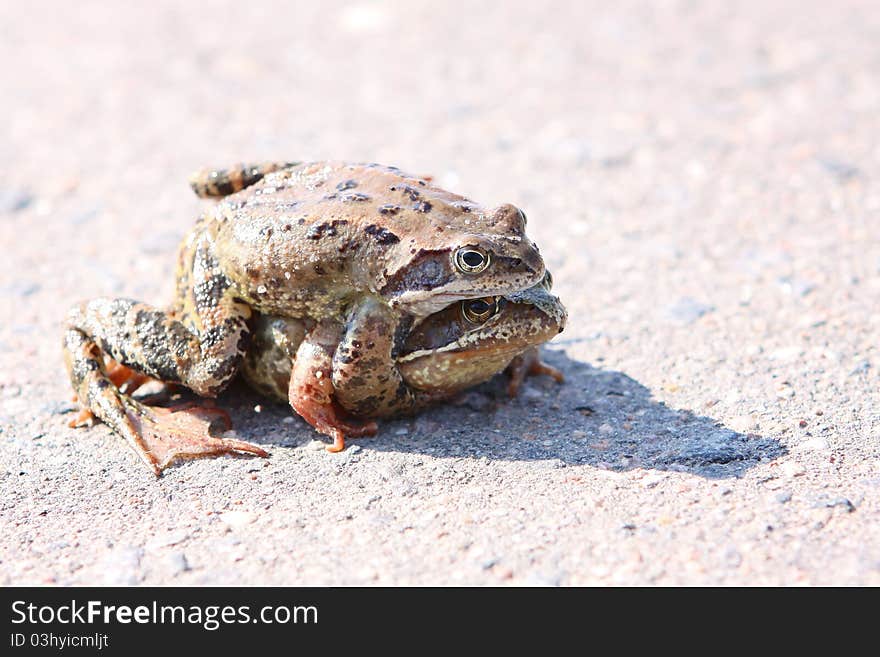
216	183
365	374
200	345
153	342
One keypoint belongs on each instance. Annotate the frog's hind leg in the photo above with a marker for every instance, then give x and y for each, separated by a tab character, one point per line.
157	435
311	387
124	378
217	183
200	345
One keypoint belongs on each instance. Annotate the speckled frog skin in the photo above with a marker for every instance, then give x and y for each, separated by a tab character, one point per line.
461	346
364	247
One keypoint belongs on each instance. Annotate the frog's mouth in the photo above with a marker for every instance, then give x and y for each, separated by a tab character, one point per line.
486	343
477	353
451	370
472	359
424	307
424	295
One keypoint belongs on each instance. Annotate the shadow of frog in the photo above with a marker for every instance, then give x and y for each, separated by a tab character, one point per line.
598	417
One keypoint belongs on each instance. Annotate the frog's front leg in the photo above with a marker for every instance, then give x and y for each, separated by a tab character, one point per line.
529	364
200	345
311	392
217	183
365	374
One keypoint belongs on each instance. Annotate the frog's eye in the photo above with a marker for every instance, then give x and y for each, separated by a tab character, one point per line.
547	283
522	215
477	311
471	259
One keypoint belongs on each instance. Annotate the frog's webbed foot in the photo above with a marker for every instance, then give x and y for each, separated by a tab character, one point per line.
157	435
161	436
327	419
529	364
169	434
217	183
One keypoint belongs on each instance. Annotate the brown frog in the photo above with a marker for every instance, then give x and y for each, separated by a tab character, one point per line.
362	248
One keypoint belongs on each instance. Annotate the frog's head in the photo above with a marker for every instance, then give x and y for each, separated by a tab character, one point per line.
486	254
472	340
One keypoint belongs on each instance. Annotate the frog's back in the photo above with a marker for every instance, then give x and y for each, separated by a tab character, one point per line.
316	232
306	195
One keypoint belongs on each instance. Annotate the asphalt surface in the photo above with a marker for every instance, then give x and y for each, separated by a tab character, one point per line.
702	180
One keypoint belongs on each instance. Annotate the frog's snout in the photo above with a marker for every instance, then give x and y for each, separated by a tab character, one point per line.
534	261
526	264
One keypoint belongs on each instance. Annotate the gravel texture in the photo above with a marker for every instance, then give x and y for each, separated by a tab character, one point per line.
702	179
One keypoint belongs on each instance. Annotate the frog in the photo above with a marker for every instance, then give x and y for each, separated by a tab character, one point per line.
461	346
364	247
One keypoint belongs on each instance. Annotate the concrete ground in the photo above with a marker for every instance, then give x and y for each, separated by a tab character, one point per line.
702	179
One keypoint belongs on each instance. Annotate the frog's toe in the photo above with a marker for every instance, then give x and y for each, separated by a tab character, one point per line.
538	367
343	428
338	441
125	378
167	435
529	364
85	418
328	420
